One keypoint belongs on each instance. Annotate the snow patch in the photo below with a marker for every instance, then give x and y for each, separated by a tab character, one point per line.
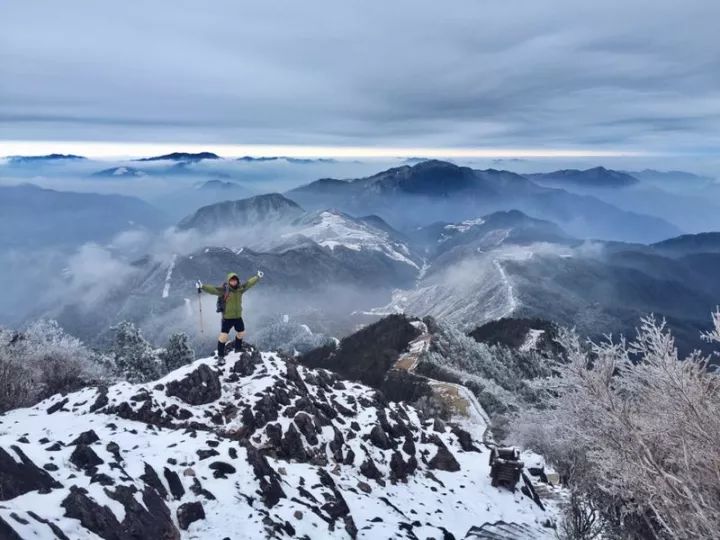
168	277
531	340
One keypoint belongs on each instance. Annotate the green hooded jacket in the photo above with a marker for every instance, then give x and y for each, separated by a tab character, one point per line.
233	304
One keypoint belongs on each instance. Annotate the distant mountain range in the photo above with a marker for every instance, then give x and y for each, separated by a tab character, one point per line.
688	244
219	185
34	216
182	156
332	270
668	176
597	177
408	197
261	159
436	239
519	267
120	172
19	160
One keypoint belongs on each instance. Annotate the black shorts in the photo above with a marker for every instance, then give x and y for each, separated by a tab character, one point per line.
237	324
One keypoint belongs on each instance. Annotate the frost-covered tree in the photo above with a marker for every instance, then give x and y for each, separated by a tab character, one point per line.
177	352
135	358
636	430
500	377
44	360
16	386
289	336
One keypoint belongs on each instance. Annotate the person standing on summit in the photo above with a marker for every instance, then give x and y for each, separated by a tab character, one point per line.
230	305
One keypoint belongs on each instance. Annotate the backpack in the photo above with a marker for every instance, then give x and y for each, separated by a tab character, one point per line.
222	299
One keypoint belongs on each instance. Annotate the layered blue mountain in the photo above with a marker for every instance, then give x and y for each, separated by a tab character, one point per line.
596	177
408	197
182	156
34	216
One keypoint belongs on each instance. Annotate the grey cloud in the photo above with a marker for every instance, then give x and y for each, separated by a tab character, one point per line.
639	75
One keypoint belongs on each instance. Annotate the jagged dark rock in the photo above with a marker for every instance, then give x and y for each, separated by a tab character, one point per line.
444	461
20	478
409	445
102	479
221	469
336	445
198	490
87	437
292	445
146	413
399	468
198	387
379	438
54	528
176	488
266	409
269	479
245	365
7	532
92	516
85	458
370	470
336	507
59	405
114	449
188	513
151	478
274	434
364	487
149	520
307	427
465	439
101	400
208	453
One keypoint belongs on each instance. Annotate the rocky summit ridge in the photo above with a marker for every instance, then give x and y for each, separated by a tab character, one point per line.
256	446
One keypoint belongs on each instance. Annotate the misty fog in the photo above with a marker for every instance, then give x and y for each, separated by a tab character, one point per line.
92	275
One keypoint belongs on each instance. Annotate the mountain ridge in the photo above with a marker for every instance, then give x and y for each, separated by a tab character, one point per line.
300	451
441	191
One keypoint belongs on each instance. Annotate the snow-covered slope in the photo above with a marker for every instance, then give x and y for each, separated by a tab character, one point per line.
331	228
468	291
257	447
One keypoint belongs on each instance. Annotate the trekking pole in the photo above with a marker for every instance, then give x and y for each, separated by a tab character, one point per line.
202	330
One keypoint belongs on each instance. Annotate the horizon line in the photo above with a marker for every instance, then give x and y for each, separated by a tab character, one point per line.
130	150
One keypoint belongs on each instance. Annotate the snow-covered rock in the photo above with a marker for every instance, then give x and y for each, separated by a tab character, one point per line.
331	228
256	447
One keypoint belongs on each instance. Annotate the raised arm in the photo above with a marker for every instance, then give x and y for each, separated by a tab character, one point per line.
250	282
212	289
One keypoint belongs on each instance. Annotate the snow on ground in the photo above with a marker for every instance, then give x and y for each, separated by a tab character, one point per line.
168	277
463	226
531	340
332	229
237	415
470	291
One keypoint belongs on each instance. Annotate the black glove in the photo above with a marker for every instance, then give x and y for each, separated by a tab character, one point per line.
198	284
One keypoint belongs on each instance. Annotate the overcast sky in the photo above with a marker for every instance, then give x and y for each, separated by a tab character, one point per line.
589	76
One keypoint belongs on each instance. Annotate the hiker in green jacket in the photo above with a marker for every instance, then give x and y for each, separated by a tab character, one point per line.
230	305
